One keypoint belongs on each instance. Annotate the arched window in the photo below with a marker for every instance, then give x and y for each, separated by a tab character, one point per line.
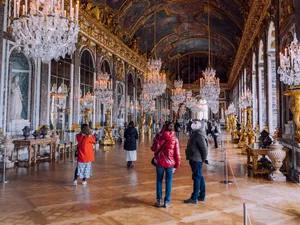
262	89
60	84
254	91
87	70
19	87
272	84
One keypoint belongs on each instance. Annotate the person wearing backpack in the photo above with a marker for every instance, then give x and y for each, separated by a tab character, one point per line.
130	135
166	159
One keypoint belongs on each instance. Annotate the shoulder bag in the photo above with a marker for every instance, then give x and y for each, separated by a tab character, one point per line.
153	161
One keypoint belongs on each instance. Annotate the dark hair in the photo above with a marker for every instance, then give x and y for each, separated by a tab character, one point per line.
131	124
167	124
83	126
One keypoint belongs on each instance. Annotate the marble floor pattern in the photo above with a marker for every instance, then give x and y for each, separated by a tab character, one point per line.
116	195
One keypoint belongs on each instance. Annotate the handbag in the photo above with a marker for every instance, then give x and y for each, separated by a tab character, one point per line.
153	161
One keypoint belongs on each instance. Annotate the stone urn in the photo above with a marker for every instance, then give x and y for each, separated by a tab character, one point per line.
8	144
26	132
277	155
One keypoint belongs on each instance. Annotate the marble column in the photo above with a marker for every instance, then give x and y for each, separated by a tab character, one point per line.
45	94
76	89
297	17
2	61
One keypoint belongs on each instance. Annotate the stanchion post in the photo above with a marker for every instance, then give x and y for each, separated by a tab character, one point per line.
245	214
4	181
226	181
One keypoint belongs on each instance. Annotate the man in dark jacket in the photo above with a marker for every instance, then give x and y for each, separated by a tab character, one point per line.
196	152
130	135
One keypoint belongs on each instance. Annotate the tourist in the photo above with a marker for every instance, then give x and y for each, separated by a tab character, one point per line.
167	158
196	153
216	131
130	135
86	156
177	128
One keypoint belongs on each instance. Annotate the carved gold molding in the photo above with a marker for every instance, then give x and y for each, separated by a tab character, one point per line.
3	2
257	14
93	30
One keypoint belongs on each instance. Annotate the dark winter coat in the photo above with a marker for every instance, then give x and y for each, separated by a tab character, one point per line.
197	148
130	135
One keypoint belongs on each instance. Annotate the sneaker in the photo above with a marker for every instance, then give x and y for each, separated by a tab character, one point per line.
84	182
158	204
167	204
75	182
190	201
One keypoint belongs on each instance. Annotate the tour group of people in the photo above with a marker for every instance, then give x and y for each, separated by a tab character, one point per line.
166	158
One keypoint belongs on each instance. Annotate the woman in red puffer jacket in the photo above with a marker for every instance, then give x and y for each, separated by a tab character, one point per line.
167	157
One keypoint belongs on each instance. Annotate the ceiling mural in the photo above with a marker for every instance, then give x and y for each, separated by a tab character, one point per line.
165	25
183	25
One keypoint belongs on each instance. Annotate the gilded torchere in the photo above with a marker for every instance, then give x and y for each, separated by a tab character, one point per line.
234	132
150	124
142	125
251	133
108	138
296	109
243	135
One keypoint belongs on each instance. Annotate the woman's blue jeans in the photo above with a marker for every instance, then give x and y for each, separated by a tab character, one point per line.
159	180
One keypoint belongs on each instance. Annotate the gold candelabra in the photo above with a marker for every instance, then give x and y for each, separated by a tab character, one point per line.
150	124
108	138
142	125
243	134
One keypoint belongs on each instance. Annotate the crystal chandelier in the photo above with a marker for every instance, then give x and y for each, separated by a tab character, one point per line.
289	69
182	111
246	99
190	101
146	101
175	107
209	85
59	95
103	88
214	106
165	111
155	83
87	101
199	106
178	94
231	109
45	31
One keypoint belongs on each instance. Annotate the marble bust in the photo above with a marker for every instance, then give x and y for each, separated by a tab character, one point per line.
15	100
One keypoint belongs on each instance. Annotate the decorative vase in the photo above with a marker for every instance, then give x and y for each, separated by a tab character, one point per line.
44	131
26	132
35	134
277	155
7	144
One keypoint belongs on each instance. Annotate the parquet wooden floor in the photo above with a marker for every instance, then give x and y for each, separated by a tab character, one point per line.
117	196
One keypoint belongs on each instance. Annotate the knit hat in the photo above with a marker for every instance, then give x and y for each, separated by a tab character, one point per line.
196	125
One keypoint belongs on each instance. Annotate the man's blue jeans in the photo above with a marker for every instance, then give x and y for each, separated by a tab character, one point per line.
159	179
199	183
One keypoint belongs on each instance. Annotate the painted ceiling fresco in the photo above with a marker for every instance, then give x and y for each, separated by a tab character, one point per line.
182	27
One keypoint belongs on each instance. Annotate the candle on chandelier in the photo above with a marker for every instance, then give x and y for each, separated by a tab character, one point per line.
71	7
62	7
26	6
18	9
72	14
77	11
15	8
37	6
